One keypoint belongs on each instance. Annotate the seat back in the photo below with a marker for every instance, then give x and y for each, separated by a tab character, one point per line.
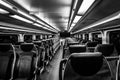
91	46
105	49
87	66
26	63
46	51
77	48
7	61
40	52
80	63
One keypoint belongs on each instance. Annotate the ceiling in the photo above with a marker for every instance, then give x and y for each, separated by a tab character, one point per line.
53	16
100	10
54	12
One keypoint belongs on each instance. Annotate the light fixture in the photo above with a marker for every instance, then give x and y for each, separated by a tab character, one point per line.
25	14
23	30
43	27
84	6
20	18
75	4
71	27
102	21
38	25
2	11
5	4
76	19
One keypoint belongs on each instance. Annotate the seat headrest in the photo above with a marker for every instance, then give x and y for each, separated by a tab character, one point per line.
105	49
5	47
92	44
77	48
26	47
87	63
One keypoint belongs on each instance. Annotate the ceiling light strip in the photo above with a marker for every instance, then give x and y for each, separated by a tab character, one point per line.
5	4
85	6
76	19
102	21
96	2
75	12
45	27
75	4
2	11
18	27
20	13
28	21
72	4
15	29
46	23
21	18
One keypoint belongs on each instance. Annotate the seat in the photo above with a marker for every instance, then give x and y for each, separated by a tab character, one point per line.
91	46
39	46
108	51
85	66
74	49
7	61
105	49
46	52
83	41
51	48
26	64
77	48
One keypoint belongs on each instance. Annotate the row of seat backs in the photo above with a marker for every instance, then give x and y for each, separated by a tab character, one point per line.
91	45
21	63
105	49
45	46
86	66
7	56
25	58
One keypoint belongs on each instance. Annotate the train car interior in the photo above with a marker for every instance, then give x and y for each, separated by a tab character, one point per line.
59	39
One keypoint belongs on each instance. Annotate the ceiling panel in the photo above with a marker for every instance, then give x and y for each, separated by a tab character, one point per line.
5	18
54	12
103	9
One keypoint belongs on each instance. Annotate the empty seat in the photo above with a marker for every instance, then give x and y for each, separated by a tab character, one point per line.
86	66
46	52
40	52
91	46
105	49
77	48
84	41
26	64
74	49
7	61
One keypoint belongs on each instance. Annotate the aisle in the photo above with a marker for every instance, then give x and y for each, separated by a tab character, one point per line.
53	68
